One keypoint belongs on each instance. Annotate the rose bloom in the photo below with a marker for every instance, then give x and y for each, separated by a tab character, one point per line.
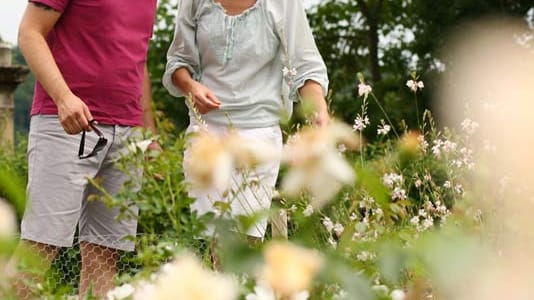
289	269
315	164
185	278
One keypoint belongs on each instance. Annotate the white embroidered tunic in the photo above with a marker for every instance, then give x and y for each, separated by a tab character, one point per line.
241	58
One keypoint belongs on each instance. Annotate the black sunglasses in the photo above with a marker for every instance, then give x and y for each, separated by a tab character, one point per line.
100	144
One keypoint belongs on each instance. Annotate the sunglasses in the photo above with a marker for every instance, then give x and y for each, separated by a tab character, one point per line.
100	144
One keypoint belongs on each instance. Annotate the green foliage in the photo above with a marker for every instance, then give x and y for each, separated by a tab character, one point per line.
344	33
389	230
171	107
13	173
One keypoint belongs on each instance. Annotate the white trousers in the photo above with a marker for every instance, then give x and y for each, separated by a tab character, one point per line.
251	191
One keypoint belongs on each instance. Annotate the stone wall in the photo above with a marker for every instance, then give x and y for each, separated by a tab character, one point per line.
10	77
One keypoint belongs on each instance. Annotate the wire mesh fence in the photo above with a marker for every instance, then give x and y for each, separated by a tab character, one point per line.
105	266
64	275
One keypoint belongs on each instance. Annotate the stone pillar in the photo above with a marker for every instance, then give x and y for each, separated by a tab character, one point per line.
10	77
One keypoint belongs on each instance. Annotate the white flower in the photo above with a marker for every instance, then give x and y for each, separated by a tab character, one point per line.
364	89
308	211
414	220
457	163
422	213
381	290
185	278
287	72
338	229
289	269
428	222
447	184
304	295
436	149
383	129
399	194
141	145
332	242
379	212
365	256
120	292
441	208
8	221
449	146
415	85
328	224
341	295
145	290
458	188
262	291
391	179
469	126
398	295
211	159
423	144
315	164
360	123
418	183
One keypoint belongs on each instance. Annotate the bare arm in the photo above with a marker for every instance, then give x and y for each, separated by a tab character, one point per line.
148	117
36	23
312	91
146	99
204	99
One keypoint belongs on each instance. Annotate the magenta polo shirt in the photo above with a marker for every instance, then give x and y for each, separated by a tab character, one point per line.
100	46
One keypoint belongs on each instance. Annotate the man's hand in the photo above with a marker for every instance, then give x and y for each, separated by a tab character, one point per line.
36	24
74	115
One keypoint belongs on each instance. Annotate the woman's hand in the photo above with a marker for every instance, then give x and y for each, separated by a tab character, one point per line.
313	92
203	98
321	118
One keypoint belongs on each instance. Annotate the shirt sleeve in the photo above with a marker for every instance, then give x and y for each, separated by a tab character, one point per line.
300	49
58	5
183	52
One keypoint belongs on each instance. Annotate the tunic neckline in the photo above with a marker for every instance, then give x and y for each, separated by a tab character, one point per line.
241	14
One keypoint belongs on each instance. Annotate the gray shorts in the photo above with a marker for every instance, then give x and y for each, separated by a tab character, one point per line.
58	188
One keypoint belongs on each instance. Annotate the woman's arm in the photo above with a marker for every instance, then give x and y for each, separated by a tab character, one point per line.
36	23
312	91
301	53
183	61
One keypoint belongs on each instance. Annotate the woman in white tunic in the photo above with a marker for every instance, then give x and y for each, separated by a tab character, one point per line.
244	62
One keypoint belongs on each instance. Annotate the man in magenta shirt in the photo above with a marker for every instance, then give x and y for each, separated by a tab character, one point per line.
89	59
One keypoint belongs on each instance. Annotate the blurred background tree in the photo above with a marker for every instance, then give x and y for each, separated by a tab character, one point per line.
386	40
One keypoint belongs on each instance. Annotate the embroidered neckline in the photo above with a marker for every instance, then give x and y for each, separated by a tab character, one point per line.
243	14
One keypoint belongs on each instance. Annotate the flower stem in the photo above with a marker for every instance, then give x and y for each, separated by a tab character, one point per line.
417	112
385	114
